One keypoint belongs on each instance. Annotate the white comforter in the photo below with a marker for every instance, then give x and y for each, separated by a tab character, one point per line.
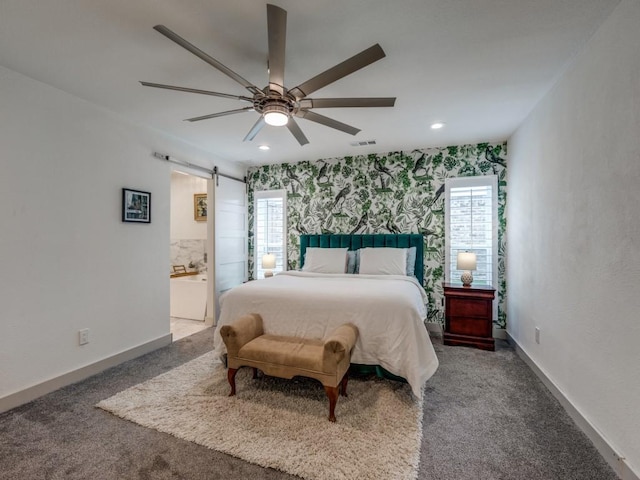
389	311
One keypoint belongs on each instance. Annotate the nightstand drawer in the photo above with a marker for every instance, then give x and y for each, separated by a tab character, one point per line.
470	326
469	308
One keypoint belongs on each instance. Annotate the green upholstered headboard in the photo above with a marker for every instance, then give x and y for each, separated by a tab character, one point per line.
354	242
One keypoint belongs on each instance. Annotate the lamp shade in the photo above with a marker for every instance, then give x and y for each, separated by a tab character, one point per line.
268	261
466	261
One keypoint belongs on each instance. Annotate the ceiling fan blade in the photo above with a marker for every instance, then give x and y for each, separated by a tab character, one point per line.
295	130
255	129
207	58
347	102
194	90
329	122
277	27
220	114
353	64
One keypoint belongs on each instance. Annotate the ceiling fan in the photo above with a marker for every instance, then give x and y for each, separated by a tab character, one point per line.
276	104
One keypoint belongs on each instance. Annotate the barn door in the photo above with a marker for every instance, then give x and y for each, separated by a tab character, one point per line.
230	235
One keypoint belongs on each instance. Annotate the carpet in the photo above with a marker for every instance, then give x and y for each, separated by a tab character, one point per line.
282	424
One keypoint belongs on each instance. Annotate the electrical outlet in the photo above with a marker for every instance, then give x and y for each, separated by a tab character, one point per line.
83	336
537	334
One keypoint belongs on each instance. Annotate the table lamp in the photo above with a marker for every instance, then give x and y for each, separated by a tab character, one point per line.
467	262
268	264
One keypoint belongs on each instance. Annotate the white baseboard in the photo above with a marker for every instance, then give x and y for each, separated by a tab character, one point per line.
31	393
500	333
434	328
617	462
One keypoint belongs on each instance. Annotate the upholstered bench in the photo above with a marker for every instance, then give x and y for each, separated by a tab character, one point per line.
286	357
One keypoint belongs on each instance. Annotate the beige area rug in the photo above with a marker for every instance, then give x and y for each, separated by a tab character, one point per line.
283	424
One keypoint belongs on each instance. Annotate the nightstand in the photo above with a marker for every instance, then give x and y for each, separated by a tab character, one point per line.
468	315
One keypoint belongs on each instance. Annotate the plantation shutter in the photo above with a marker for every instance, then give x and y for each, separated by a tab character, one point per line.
472	226
270	229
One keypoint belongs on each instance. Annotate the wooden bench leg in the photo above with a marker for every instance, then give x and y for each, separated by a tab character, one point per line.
231	376
255	373
332	393
343	384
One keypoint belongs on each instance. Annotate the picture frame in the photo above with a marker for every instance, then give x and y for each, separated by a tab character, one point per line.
136	206
200	207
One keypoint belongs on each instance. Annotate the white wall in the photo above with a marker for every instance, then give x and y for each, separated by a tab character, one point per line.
574	233
183	225
67	260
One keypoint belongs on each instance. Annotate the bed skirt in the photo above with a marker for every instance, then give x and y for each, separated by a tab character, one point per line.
377	370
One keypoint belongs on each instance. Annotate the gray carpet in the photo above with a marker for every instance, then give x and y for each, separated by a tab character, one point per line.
486	416
276	423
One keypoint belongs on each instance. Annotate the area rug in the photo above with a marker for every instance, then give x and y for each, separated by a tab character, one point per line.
282	424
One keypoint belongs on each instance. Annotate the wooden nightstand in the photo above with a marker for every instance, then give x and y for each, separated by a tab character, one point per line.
469	316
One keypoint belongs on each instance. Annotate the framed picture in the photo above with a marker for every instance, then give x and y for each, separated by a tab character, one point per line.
200	207
136	206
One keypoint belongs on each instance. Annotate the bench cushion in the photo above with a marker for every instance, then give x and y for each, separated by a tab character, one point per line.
302	353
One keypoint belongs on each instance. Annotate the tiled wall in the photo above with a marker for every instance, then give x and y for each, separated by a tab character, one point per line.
189	252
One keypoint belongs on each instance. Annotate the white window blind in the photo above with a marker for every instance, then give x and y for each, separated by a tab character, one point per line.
471	226
270	219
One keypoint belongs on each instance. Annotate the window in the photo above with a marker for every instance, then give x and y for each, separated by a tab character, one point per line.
270	229
471	225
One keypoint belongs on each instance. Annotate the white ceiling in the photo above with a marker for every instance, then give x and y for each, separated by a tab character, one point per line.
480	66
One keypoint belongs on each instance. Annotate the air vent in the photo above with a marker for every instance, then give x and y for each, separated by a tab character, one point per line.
363	143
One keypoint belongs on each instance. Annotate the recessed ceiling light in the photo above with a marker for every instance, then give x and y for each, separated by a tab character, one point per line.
264	147
437	125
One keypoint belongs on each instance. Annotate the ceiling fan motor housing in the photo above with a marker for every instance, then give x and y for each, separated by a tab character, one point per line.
273	103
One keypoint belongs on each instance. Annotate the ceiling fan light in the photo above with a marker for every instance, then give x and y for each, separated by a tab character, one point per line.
277	119
276	115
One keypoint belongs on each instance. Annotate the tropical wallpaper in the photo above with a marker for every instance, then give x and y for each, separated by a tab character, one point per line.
396	192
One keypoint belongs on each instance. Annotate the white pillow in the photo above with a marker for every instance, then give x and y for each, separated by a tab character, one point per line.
325	260
383	261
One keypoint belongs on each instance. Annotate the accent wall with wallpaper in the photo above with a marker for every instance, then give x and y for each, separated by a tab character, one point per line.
396	192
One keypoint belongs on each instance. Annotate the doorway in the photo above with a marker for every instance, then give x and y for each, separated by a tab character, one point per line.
189	240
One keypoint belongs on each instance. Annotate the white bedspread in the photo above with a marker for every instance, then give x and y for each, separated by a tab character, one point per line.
389	311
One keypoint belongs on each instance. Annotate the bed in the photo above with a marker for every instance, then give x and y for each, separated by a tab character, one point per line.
388	309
